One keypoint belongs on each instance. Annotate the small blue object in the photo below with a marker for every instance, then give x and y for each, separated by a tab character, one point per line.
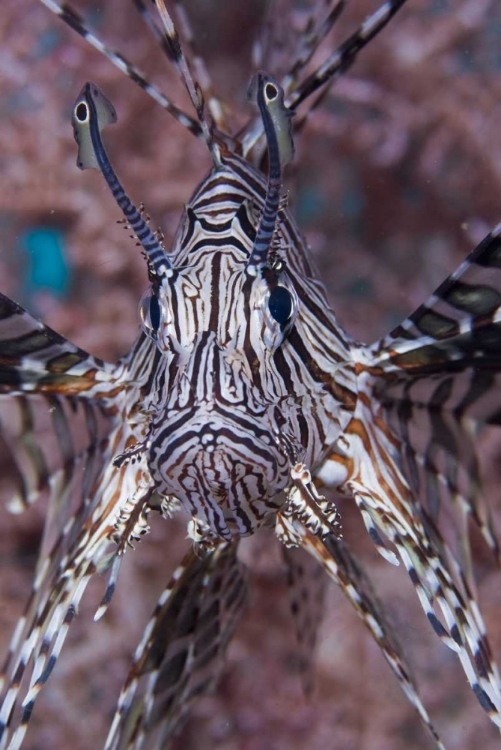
46	43
310	205
360	288
352	203
46	268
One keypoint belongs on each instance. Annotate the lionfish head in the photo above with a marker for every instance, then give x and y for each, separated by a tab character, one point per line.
219	308
218	405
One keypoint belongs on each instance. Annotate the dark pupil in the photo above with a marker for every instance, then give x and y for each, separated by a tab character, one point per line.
271	91
81	111
154	313
280	304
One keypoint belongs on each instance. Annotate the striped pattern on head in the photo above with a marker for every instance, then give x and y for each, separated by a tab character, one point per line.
239	399
234	382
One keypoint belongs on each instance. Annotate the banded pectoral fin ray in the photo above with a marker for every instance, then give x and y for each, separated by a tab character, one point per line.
83	546
438	378
434	573
456	330
306	583
440	452
36	359
47	437
334	556
180	655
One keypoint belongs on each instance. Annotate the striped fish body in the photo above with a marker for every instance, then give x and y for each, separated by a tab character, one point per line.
241	410
227	391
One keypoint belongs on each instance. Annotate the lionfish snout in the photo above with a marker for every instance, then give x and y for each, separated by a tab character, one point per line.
227	476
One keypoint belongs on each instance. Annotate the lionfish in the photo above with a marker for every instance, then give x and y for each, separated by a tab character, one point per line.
242	402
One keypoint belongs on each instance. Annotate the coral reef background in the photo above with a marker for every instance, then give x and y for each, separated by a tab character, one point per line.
397	176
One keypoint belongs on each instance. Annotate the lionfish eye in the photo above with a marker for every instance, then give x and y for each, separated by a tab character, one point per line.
281	305
150	313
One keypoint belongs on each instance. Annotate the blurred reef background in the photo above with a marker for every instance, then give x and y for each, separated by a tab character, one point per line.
396	178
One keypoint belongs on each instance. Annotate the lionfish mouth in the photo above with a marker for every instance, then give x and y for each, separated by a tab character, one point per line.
215	479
